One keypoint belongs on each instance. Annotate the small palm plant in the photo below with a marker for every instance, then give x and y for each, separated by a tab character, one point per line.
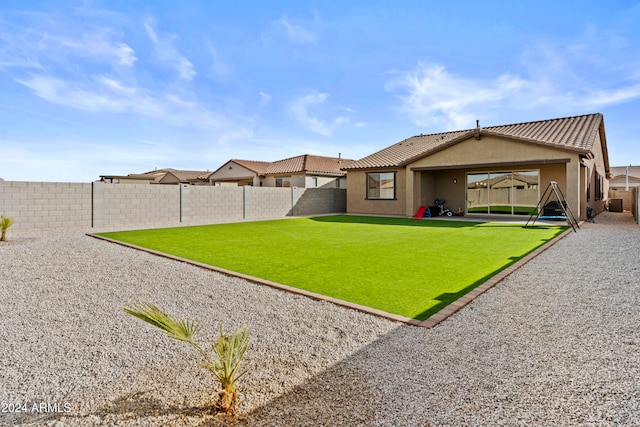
222	360
5	223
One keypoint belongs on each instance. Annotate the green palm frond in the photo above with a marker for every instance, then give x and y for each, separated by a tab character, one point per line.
5	222
230	350
179	329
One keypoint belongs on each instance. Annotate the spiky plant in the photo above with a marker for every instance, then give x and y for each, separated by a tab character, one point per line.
5	223
229	350
223	360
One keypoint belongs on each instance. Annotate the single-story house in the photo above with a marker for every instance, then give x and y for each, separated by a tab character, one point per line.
239	172
497	170
160	176
305	171
624	177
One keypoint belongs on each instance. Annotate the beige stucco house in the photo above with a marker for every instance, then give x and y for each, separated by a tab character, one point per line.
160	176
624	177
304	171
239	172
497	170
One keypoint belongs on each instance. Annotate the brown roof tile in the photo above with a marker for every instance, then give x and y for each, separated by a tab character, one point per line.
256	166
577	133
634	171
308	163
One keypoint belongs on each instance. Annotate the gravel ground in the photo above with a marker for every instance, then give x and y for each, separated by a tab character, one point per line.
557	343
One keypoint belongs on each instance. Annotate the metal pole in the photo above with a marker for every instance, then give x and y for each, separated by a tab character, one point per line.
627	187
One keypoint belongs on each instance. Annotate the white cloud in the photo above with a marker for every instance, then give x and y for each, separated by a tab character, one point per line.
265	98
219	67
602	98
58	42
297	33
166	52
432	95
302	106
106	94
300	109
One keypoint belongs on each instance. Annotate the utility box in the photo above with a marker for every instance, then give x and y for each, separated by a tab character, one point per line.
615	205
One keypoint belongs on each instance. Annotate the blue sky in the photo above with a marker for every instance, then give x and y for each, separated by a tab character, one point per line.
115	87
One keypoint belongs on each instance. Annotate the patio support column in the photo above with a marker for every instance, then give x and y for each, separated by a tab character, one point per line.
409	201
572	194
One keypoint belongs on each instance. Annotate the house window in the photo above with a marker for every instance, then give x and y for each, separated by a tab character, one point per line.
283	182
503	192
381	186
337	182
315	181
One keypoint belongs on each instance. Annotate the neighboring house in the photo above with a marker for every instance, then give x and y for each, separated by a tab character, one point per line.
483	171
624	177
239	172
305	171
160	176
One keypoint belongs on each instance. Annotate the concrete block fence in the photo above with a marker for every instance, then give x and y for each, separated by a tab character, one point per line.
59	205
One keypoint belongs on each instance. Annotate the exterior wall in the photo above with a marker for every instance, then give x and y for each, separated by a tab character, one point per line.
635	204
319	201
201	204
357	201
46	205
626	196
488	154
267	203
136	204
591	166
620	182
322	181
233	172
37	205
440	184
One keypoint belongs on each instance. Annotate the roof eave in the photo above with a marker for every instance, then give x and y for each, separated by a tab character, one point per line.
440	147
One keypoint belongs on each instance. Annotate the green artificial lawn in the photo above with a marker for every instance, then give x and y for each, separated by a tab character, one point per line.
399	265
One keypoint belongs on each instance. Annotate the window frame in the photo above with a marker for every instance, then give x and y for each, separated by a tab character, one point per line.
368	188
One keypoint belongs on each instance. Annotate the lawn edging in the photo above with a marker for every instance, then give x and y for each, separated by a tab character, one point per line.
430	322
280	286
461	302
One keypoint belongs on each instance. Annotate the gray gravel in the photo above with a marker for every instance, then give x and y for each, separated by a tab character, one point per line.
557	343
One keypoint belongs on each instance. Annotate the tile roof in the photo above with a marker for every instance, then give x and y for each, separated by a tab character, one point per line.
621	171
186	175
256	166
577	133
309	163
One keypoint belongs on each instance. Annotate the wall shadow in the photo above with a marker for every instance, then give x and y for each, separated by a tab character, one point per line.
408	222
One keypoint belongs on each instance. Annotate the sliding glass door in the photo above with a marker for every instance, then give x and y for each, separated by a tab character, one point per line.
502	192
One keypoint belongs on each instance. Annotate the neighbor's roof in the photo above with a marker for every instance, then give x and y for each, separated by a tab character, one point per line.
309	163
186	175
577	133
621	171
256	166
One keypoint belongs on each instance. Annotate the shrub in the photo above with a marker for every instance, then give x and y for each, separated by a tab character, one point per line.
5	223
222	359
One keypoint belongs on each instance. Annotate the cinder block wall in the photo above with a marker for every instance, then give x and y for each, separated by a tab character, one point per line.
46	205
206	205
312	201
50	205
136	204
267	202
626	196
